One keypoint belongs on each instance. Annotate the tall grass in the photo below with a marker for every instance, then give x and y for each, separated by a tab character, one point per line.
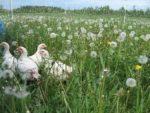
90	89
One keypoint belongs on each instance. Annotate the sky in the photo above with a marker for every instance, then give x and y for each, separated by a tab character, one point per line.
79	4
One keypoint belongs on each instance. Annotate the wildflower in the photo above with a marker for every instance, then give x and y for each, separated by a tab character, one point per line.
28	111
122	37
93	54
53	35
131	82
143	59
7	74
116	31
138	67
67	28
129	27
136	38
92	44
106	25
9	90
59	28
132	33
76	34
63	34
45	25
91	36
70	37
147	37
49	29
113	44
69	52
25	26
142	37
14	43
68	42
106	72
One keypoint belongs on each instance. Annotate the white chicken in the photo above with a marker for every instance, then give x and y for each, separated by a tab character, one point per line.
10	61
27	69
36	57
58	69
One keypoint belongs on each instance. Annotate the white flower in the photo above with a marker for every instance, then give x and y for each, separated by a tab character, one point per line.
115	26
59	28
49	29
122	37
92	44
116	31
93	54
69	52
143	59
45	25
28	111
106	25
76	34
147	37
70	37
91	36
68	42
129	27
53	35
63	34
67	28
132	33
131	82
10	90
142	37
136	38
113	44
7	74
106	72
14	43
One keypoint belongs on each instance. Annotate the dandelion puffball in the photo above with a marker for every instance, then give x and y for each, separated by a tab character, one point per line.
131	82
143	59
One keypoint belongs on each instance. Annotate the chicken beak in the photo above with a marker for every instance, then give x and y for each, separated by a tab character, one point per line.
45	47
18	50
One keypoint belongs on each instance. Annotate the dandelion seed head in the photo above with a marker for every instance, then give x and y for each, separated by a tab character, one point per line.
131	82
143	59
93	54
113	44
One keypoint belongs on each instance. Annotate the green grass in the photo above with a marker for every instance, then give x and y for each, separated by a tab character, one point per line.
88	90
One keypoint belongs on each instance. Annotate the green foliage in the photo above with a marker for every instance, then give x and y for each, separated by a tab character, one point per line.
90	89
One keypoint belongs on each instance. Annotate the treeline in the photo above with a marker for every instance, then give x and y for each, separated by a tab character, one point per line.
38	9
98	10
107	10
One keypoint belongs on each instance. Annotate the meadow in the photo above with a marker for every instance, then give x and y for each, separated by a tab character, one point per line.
110	60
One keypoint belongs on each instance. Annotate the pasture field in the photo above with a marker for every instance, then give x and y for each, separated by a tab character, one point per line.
110	60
